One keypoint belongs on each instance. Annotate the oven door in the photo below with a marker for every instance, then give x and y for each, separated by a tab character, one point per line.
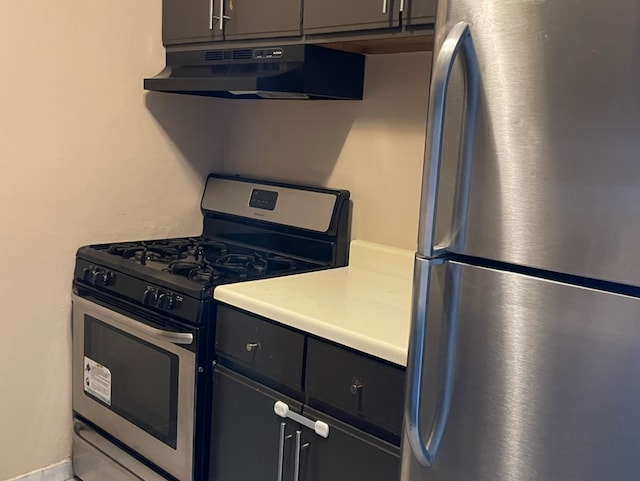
137	383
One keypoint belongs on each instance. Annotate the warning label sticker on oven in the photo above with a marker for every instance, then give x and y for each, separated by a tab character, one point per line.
97	380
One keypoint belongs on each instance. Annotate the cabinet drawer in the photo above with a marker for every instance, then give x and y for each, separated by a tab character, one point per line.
262	347
362	387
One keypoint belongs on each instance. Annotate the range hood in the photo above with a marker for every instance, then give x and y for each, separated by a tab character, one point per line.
287	72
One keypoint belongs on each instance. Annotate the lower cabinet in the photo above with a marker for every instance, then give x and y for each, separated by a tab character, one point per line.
245	434
347	454
250	442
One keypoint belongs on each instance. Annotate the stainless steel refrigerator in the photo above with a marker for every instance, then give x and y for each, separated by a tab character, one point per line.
524	360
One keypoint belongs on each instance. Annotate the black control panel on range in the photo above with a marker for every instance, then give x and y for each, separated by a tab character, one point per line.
137	291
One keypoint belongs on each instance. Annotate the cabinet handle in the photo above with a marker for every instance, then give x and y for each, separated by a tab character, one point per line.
283	426
356	387
384	6
296	472
319	427
252	346
210	14
222	16
401	6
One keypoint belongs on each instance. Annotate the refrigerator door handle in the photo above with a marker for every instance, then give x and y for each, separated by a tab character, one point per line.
425	444
459	39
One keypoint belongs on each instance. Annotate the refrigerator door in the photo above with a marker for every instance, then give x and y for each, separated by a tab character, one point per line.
523	379
556	140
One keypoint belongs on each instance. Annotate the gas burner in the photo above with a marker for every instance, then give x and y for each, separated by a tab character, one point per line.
163	251
280	264
243	264
195	271
208	250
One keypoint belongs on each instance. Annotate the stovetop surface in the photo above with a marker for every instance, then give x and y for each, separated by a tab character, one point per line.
202	260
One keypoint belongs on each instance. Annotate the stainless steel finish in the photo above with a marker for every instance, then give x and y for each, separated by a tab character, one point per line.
401	6
296	468
545	380
385	4
232	197
283	427
457	41
95	458
211	14
555	156
252	346
177	462
139	328
425	442
222	17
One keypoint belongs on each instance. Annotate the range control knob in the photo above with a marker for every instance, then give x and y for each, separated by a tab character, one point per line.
104	278
166	301
94	278
86	273
150	296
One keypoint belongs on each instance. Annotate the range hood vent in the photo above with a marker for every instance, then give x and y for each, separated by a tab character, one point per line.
288	72
217	55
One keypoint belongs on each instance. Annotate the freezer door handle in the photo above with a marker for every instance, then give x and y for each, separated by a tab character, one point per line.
425	443
458	40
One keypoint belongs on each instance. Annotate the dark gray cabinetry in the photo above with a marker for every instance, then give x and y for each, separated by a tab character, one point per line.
348	454
418	12
326	16
186	21
260	347
245	434
261	19
261	364
189	21
360	388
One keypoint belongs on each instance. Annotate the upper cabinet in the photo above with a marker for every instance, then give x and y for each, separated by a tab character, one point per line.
260	19
418	12
326	16
187	21
202	21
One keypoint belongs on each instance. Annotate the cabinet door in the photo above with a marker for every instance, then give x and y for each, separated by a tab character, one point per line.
419	12
347	454
257	18
185	21
325	16
245	434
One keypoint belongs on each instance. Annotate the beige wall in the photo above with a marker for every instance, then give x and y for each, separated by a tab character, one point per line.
85	156
374	148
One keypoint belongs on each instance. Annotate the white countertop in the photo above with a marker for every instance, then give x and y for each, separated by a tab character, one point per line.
365	306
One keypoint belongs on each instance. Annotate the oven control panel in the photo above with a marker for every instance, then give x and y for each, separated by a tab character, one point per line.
121	285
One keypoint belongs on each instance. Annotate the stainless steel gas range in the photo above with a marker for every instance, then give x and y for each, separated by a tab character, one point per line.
144	320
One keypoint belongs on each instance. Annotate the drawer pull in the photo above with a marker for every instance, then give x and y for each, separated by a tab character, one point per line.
319	427
251	346
356	387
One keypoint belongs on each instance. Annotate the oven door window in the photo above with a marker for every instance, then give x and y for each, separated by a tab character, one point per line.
135	379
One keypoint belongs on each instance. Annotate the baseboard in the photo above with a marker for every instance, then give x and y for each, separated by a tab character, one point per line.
61	471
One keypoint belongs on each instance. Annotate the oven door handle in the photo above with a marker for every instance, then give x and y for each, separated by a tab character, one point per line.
137	326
